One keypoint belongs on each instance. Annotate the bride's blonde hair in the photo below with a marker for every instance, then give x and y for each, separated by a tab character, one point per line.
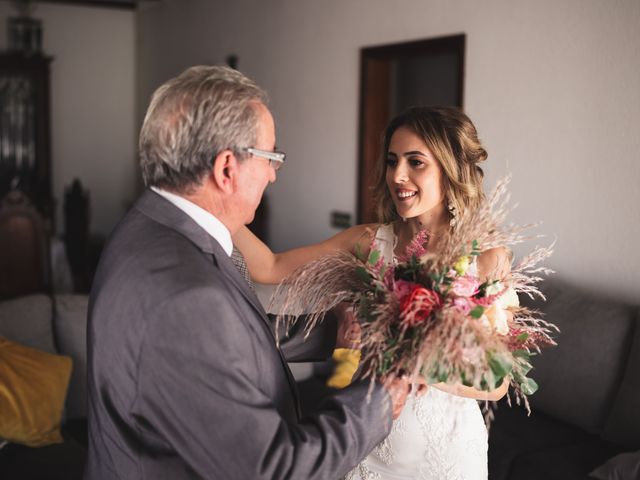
453	140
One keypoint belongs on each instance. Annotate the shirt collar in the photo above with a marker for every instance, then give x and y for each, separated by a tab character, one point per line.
206	220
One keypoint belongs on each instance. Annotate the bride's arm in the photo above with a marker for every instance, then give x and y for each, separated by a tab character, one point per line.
470	392
268	267
492	264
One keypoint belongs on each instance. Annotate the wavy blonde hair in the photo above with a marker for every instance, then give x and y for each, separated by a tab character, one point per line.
453	140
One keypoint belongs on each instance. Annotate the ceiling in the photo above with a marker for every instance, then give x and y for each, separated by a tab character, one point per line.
128	4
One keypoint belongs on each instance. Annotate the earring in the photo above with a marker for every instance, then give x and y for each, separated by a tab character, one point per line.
454	213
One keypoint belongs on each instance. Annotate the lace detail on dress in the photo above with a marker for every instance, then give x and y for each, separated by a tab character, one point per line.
384	450
457	446
437	437
363	474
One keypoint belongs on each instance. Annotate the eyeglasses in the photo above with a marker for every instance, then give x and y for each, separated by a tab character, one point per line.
276	159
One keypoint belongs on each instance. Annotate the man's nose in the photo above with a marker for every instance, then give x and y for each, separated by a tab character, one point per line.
273	175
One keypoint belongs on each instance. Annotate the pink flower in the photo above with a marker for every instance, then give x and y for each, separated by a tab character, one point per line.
465	286
389	278
484	301
416	307
417	246
402	288
462	304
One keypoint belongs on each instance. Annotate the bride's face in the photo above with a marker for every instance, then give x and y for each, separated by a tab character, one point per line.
414	176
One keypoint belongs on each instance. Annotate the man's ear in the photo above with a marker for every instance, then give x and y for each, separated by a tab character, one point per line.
225	171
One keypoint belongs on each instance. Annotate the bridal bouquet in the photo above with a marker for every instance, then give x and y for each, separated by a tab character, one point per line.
432	316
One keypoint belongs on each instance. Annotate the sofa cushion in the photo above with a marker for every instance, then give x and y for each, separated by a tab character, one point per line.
514	434
71	328
63	461
33	386
580	377
625	466
27	320
623	424
570	462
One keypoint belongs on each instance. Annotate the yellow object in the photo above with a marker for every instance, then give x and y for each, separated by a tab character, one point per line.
347	361
33	387
462	265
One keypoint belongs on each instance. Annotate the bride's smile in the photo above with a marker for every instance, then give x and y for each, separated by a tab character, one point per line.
404	195
414	179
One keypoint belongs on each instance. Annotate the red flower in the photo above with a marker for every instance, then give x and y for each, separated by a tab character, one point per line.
416	307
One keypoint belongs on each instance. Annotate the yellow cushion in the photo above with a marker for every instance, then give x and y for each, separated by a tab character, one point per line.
347	361
33	387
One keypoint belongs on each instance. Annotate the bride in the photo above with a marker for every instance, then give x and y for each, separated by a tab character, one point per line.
428	176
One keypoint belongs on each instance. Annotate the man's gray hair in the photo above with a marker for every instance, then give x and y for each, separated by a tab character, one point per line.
191	119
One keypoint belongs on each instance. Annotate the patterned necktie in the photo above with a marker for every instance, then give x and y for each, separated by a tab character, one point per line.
238	260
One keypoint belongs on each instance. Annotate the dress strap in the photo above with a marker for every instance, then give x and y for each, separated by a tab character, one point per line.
386	241
473	267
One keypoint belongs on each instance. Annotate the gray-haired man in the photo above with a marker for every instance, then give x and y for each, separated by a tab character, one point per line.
185	380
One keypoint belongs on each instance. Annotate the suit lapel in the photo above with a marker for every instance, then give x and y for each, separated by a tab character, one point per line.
232	273
164	212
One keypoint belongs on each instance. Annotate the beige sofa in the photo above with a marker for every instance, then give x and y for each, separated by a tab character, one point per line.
53	325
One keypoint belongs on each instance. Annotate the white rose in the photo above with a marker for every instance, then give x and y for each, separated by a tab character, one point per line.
497	319
484	321
494	288
508	299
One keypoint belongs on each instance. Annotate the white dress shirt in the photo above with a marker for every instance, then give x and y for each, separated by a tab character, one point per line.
211	224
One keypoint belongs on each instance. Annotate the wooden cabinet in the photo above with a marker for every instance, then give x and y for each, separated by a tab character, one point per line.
25	153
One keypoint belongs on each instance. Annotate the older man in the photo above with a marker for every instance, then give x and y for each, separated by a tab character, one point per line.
185	379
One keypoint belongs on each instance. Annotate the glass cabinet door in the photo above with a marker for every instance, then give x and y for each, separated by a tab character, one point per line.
24	129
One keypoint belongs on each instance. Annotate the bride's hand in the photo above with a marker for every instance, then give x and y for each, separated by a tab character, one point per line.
418	385
348	328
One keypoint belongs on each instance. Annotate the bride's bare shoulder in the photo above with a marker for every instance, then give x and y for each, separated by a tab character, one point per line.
495	262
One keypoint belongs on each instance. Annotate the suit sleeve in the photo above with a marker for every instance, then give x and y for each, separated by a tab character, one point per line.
202	392
318	345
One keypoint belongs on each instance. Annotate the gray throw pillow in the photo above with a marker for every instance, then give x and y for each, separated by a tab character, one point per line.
27	320
625	466
71	328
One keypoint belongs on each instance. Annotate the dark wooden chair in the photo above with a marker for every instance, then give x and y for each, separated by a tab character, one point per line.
24	248
76	234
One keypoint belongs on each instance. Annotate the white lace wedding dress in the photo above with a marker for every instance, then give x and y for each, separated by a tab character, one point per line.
438	436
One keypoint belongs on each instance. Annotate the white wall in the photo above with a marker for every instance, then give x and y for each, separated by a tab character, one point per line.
553	87
93	130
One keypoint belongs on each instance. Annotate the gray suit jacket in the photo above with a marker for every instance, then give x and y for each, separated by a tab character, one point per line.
185	380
